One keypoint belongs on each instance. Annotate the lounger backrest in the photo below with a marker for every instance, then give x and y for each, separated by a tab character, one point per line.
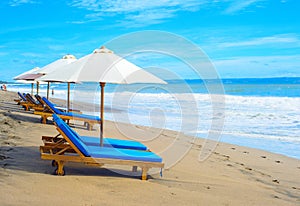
71	134
30	99
39	98
51	106
22	97
57	118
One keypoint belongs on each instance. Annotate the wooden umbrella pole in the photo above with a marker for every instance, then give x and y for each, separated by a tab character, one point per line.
37	87
31	89
102	85
68	100
48	87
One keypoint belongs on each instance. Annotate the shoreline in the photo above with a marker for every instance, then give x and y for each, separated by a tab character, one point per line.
231	175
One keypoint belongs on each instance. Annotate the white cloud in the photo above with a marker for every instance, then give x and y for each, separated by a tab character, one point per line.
20	2
239	5
276	39
147	12
153	17
137	13
118	6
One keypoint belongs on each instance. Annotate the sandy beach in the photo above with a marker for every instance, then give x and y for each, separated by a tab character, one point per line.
231	175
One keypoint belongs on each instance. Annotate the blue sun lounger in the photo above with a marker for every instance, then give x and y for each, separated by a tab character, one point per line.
77	151
63	109
32	103
95	141
88	120
20	99
27	102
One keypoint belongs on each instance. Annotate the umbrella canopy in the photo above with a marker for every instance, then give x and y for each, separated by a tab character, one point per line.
31	71
102	66
67	59
29	77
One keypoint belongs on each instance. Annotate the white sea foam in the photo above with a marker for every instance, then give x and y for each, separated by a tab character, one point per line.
265	117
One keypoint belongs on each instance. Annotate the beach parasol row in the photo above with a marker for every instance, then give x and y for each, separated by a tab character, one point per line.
102	66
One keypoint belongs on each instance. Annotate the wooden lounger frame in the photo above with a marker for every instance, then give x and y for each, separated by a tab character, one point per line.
20	99
48	112
29	104
59	154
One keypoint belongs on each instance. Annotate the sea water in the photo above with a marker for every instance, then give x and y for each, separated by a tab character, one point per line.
257	113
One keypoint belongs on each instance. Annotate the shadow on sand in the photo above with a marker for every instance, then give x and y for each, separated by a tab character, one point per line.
28	159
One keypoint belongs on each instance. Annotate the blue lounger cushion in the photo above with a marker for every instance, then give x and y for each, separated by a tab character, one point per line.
22	97
124	154
107	142
105	152
84	116
66	129
57	111
117	143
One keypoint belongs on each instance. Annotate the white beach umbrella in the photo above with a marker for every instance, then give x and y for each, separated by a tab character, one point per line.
31	71
65	60
29	77
102	66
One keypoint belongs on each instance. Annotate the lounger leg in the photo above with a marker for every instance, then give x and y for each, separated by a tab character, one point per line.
144	173
89	126
134	169
44	119
60	168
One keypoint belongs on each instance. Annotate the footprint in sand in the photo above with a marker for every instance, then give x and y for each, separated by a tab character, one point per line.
226	156
278	161
263	157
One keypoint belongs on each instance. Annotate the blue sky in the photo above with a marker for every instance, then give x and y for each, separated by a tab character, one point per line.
243	38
